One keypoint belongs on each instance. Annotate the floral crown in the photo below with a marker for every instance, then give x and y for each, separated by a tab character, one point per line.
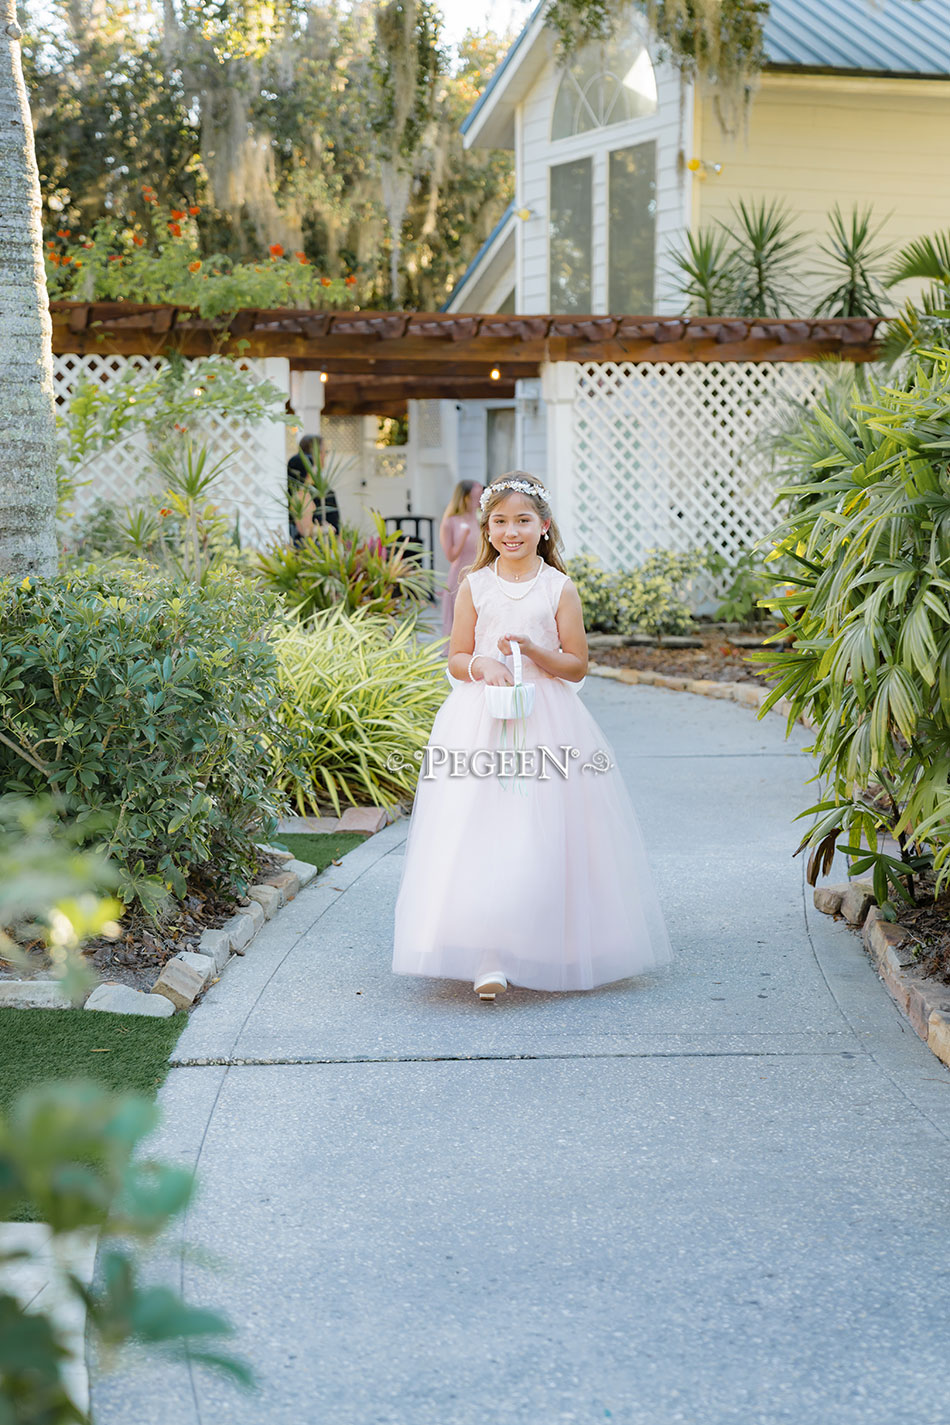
523	486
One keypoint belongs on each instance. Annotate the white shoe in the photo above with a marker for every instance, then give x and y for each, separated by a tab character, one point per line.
488	986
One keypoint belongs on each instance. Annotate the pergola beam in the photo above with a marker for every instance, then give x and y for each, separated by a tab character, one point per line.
377	361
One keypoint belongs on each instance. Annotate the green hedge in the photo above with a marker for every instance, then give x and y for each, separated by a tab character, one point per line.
148	708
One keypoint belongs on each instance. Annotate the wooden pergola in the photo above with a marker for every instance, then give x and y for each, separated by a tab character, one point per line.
377	361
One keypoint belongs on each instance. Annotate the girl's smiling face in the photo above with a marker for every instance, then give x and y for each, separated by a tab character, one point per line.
515	527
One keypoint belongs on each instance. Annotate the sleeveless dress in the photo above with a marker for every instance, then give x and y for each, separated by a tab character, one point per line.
516	860
466	556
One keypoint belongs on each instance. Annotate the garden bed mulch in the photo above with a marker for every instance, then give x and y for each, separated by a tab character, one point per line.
718	659
137	956
929	924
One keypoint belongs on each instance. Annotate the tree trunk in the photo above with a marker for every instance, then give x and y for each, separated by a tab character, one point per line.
27	412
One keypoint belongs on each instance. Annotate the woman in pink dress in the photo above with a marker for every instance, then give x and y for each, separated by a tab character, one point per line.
524	861
458	535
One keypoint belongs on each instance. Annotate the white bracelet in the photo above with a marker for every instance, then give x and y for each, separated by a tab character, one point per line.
470	662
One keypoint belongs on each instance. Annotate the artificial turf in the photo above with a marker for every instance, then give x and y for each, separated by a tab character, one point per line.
319	848
124	1052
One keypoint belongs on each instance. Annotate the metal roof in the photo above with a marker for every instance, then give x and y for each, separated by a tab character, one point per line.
871	36
477	259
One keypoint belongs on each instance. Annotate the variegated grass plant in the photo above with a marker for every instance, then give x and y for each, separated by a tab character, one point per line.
360	692
867	472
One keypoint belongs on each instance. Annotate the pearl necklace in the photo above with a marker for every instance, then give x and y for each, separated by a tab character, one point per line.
523	591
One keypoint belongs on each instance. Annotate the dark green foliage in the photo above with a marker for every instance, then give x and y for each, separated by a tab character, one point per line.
866	472
765	249
748	581
327	570
69	1153
146	706
856	290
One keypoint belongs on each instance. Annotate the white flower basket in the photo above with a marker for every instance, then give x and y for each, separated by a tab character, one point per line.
510	700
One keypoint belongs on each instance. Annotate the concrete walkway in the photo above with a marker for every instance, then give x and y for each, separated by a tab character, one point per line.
716	1195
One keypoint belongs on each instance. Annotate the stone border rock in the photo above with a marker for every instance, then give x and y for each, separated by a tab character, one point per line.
924	1000
183	977
368	819
749	695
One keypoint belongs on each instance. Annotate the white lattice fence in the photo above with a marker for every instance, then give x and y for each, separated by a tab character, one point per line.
666	454
253	488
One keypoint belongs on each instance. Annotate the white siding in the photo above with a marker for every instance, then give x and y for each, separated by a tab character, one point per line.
535	154
473	437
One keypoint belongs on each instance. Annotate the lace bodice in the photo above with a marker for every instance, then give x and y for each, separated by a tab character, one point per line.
532	614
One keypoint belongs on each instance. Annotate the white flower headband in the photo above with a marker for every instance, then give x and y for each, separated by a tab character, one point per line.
523	486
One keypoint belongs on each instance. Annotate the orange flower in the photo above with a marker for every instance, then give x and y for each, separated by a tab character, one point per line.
54	257
115	258
78	262
194	267
62	232
351	282
325	282
276	250
139	241
51	243
174	229
164	512
88	244
150	198
66	259
178	212
194	211
302	258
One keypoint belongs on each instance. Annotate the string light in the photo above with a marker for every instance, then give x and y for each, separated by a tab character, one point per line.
495	374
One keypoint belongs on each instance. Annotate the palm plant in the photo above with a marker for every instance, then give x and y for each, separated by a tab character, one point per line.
857	291
927	322
204	531
327	568
706	272
765	247
869	614
323	473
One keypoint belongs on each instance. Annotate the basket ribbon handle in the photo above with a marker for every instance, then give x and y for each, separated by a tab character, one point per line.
516	656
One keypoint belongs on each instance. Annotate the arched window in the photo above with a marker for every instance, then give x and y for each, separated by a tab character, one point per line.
608	83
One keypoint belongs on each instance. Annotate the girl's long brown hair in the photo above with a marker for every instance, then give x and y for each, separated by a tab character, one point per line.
459	500
549	549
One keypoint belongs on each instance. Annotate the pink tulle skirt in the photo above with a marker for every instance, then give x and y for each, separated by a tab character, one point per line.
524	853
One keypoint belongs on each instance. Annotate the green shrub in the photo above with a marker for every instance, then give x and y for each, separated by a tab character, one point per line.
148	705
869	532
51	890
380	574
68	1154
652	599
749	578
359	692
69	1158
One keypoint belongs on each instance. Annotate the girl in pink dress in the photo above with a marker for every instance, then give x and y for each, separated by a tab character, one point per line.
458	535
524	861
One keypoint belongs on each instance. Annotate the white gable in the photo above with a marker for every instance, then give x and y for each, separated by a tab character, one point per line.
614	176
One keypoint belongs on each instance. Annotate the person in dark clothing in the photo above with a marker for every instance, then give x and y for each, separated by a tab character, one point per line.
304	515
